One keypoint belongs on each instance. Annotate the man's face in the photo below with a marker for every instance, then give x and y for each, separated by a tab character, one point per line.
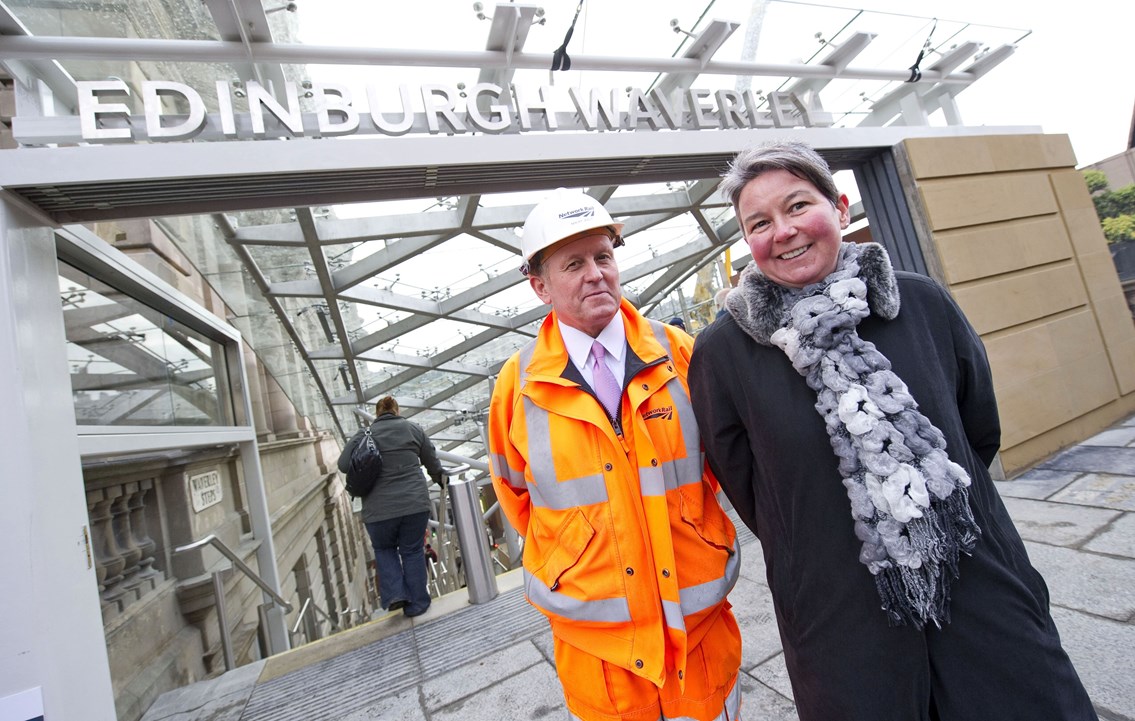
580	281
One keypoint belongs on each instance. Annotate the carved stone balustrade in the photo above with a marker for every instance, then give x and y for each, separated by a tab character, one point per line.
123	548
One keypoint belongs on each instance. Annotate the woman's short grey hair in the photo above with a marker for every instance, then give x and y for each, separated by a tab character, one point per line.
792	155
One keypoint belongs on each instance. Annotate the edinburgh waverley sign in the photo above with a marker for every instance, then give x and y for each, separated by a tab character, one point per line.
325	110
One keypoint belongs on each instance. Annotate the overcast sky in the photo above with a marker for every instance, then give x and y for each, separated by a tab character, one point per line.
1071	75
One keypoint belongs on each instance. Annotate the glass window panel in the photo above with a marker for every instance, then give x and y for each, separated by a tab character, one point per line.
509	302
132	365
200	238
494	351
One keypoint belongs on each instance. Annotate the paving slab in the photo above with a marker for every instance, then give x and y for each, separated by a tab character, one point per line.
1094	459
1057	524
532	694
761	703
1103	653
547	647
1107	490
752	607
774	674
1118	539
467	680
1084	581
217	699
404	706
1037	483
1120	437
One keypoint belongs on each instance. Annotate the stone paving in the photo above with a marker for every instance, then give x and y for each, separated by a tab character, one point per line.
493	662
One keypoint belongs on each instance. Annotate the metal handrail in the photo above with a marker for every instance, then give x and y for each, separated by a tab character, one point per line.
309	603
299	617
463	460
219	591
456	470
217	543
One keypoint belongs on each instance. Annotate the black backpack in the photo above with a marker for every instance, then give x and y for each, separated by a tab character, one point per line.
365	467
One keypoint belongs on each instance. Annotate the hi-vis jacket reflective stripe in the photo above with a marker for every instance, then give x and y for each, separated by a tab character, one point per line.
627	550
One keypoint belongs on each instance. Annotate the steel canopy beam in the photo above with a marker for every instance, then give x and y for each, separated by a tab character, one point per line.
227	51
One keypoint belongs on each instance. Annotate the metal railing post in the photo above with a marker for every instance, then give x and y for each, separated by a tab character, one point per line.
275	607
223	620
476	560
450	578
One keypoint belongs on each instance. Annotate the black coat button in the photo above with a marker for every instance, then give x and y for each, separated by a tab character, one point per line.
630	571
666	573
638	663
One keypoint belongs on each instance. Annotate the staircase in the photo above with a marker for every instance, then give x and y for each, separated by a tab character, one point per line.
341	676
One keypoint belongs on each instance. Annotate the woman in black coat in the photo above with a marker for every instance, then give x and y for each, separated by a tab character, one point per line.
848	412
396	511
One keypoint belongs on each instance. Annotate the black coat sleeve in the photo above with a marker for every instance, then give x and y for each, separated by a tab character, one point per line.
977	403
712	383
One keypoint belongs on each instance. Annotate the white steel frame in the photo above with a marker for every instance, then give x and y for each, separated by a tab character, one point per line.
81	248
209	177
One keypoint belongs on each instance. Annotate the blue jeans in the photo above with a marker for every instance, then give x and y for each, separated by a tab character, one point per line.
400	559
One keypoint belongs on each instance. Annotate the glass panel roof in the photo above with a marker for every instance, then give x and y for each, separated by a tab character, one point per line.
422	298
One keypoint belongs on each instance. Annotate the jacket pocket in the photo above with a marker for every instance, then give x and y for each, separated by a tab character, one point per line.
707	519
564	549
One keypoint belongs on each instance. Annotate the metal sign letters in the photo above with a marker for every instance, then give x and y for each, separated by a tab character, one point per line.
434	109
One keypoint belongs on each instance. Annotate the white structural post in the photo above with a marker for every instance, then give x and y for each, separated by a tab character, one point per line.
261	522
53	658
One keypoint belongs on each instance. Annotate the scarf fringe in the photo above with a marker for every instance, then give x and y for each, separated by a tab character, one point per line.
919	596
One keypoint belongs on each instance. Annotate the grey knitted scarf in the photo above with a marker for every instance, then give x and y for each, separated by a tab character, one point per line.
909	500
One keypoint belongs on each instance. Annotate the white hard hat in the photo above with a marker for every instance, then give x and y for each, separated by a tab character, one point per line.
561	215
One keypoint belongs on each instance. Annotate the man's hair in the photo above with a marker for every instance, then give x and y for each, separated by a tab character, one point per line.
719	298
387	404
792	155
536	263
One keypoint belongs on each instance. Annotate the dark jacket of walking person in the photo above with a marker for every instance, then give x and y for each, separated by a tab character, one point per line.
849	412
397	510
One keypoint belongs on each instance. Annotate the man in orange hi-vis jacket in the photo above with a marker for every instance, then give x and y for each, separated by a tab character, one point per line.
597	461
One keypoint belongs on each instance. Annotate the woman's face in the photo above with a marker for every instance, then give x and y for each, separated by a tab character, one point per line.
793	231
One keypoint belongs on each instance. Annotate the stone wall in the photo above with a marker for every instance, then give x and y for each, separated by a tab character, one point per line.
1006	222
159	610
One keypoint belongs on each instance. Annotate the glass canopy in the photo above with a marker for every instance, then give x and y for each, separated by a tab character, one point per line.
420	297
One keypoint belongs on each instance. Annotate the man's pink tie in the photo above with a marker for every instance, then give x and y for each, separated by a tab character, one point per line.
606	387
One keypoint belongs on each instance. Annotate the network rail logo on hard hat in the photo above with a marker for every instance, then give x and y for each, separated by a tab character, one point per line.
577	213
